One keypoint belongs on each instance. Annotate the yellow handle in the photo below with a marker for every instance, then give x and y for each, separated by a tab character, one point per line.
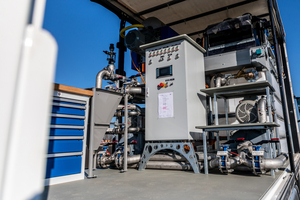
129	27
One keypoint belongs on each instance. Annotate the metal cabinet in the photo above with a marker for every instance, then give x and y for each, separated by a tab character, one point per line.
67	138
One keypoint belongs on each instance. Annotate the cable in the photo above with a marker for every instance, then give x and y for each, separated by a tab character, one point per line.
235	154
137	68
129	27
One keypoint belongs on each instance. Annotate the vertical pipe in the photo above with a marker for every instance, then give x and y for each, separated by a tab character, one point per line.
282	92
91	151
217	119
218	141
226	117
211	116
216	110
271	146
205	152
274	130
125	131
277	134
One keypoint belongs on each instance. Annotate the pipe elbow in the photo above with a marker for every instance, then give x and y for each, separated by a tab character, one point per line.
100	77
276	162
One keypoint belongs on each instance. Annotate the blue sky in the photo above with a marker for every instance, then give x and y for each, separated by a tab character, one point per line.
84	29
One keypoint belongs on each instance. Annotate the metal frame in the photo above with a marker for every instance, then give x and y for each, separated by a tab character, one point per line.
152	148
269	132
280	79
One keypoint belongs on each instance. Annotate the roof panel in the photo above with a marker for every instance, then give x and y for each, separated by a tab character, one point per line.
138	5
203	12
188	8
255	8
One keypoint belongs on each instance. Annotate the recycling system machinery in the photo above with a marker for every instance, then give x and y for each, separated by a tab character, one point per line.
217	102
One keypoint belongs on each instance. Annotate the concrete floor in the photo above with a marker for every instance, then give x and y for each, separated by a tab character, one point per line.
162	184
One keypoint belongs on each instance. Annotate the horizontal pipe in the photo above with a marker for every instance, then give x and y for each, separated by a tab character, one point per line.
183	166
130	107
174	161
135	90
275	163
131	113
130	130
179	158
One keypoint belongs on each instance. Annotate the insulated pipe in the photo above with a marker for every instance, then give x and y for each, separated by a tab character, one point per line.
100	76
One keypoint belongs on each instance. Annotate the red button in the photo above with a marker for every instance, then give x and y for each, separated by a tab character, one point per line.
161	85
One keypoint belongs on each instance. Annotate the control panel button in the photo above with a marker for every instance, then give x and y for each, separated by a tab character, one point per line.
177	48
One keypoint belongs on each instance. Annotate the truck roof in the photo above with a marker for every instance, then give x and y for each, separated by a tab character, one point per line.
190	17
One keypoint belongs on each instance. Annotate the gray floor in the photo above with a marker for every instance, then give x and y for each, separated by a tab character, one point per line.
162	184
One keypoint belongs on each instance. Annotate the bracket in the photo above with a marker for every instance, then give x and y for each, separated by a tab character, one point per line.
152	148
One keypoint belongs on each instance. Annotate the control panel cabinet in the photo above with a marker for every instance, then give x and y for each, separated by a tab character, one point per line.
174	77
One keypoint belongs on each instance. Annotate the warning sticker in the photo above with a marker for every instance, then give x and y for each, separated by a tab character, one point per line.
165	105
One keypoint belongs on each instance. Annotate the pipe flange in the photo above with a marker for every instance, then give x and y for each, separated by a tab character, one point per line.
102	162
119	161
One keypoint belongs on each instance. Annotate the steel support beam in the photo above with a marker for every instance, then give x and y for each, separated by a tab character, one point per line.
282	91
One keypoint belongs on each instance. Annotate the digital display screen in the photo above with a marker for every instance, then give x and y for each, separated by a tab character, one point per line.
164	71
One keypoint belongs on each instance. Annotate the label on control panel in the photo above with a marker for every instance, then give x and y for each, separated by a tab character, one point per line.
165	105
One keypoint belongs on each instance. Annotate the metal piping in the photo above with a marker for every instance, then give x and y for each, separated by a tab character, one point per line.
130	130
262	110
275	163
100	76
129	107
183	166
125	132
218	82
135	90
131	113
107	71
179	162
